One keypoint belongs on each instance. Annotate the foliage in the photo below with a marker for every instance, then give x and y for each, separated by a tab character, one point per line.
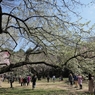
46	28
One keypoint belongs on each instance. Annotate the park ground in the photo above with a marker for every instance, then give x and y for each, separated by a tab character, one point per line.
44	88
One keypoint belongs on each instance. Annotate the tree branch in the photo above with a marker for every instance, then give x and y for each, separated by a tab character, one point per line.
11	66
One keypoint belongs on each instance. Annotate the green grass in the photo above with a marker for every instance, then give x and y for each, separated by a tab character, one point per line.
42	88
25	91
20	91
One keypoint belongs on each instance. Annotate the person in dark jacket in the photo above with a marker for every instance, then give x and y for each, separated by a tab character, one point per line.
11	81
71	79
34	77
48	77
76	80
90	83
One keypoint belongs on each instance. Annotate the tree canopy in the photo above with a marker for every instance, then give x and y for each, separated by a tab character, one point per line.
47	26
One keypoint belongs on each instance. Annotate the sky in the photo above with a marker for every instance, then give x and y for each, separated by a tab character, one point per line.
87	13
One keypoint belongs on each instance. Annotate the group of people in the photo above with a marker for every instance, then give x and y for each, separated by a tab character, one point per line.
53	78
22	80
27	80
77	79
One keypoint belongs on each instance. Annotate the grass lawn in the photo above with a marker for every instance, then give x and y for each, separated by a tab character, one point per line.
17	91
43	88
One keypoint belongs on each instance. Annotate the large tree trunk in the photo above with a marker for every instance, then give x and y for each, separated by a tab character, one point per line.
0	20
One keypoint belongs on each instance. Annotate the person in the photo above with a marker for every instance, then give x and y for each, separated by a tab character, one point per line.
76	80
28	80
34	77
90	83
80	78
48	78
1	80
71	79
53	78
11	81
4	77
21	80
24	81
61	78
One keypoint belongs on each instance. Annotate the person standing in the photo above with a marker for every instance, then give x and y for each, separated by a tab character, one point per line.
28	80
21	80
11	81
76	80
34	77
1	80
53	78
48	77
80	78
71	79
90	83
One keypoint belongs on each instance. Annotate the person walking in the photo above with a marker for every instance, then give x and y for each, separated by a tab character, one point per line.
34	77
76	80
80	78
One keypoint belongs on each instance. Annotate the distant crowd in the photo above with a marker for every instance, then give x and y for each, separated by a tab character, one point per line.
22	80
73	79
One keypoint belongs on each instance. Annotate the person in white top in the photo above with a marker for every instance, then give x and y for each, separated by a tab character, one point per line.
53	78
